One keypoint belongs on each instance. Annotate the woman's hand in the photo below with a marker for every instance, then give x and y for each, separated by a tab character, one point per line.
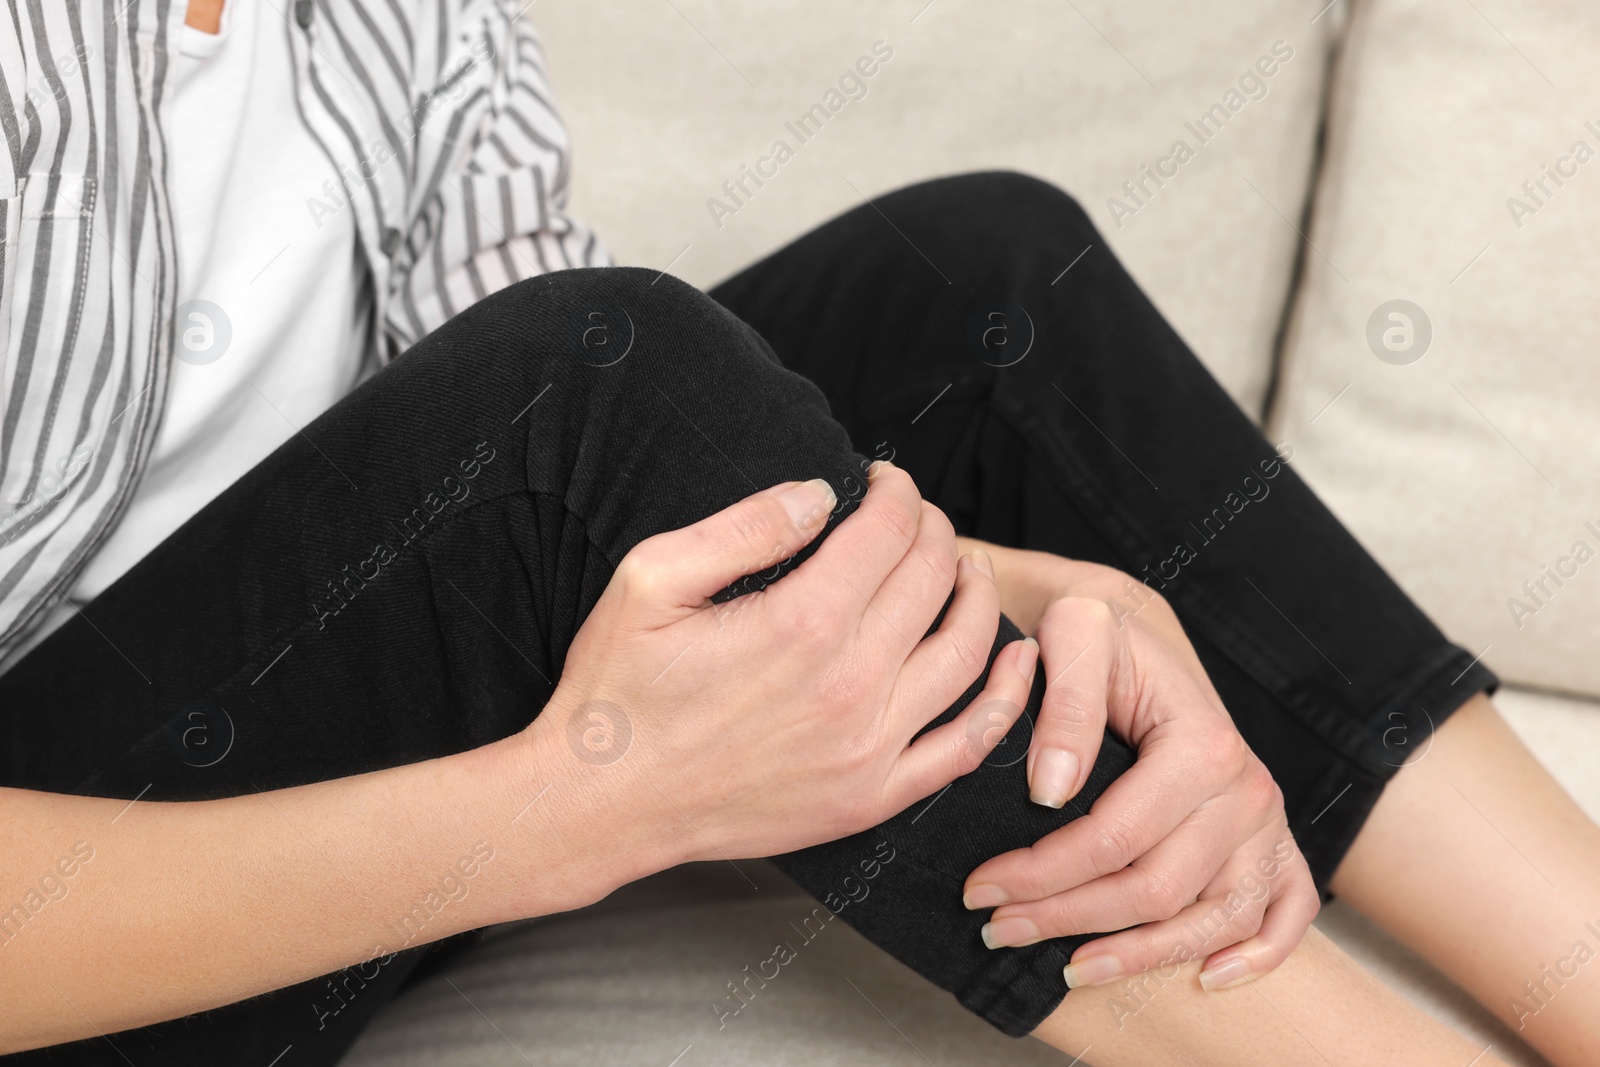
785	717
1192	842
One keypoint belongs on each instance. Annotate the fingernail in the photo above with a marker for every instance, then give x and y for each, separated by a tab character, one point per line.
1008	933
1055	772
981	560
1095	970
1228	973
1028	659
984	895
877	468
809	503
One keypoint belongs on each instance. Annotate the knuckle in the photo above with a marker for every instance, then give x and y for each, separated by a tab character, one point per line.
1302	877
1310	900
639	573
1298	884
1071	736
1225	749
966	754
1031	883
1160	896
937	561
933	518
1024	874
1151	599
897	478
1067	715
989	723
1262	790
1057	615
756	524
1274	792
810	625
1223	924
1113	847
1096	612
963	655
899	516
1237	926
1160	607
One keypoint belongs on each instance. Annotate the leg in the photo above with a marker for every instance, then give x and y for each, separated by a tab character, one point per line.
1107	441
1065	450
403	580
1319	1009
1093	432
1474	809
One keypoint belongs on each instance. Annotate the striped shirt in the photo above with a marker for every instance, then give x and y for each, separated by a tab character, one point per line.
437	117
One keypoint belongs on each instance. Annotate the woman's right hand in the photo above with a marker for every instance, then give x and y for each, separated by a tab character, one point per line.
785	717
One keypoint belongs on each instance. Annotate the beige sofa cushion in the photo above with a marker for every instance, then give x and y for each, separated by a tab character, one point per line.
643	979
1470	469
668	101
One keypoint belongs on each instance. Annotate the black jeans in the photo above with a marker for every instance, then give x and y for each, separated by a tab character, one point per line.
404	579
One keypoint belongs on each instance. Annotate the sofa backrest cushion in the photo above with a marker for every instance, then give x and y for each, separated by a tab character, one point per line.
667	102
1441	380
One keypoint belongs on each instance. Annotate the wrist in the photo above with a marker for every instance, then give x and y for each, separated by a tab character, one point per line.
586	822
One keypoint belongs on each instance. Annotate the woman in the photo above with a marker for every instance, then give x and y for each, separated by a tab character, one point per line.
599	577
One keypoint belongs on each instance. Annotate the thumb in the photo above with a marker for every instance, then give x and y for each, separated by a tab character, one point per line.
683	568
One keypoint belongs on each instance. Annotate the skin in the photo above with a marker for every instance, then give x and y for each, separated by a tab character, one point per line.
1319	1009
204	15
1475	809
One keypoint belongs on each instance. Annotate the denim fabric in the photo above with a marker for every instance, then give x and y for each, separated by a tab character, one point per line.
403	580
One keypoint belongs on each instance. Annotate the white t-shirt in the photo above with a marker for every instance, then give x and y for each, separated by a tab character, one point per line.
287	321
286	329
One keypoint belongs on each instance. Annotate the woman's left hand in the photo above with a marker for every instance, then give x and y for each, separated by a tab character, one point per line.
1191	847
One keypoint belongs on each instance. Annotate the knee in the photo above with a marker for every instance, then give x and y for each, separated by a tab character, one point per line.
594	319
991	208
590	312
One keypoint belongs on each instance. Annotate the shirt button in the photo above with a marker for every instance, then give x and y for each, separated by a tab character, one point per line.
303	12
390	242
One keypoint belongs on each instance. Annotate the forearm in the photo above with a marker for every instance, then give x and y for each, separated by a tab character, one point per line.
174	908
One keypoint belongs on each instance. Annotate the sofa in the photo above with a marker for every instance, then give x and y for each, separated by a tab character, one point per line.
1373	221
